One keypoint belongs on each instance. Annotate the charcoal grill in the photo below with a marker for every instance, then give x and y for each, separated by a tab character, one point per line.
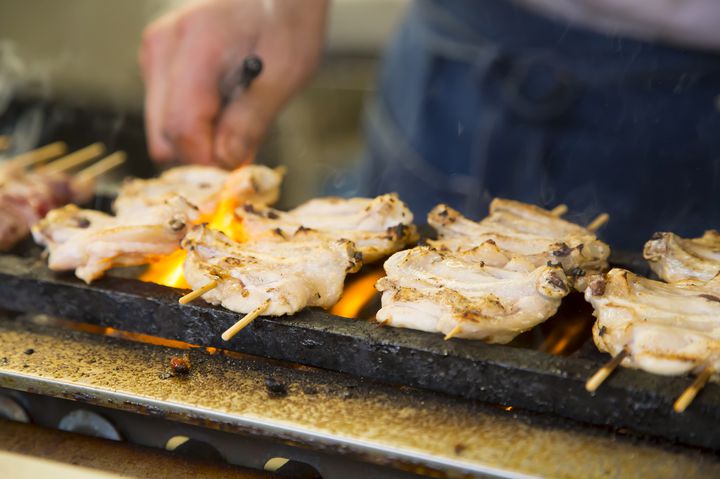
348	397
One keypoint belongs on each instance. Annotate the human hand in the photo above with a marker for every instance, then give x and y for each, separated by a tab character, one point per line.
186	54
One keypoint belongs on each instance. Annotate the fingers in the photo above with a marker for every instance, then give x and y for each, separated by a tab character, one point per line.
156	53
192	100
242	126
181	67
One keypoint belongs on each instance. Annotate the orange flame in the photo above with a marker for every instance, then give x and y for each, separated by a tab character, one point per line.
357	294
168	270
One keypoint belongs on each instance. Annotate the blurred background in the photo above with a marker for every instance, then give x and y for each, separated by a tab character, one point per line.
68	71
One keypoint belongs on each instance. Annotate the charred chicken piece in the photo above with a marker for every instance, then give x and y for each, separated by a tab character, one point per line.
291	272
437	291
524	230
674	258
91	242
378	226
26	197
202	186
667	329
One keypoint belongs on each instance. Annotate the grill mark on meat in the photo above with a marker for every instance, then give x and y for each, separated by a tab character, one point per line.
577	272
176	224
397	232
82	222
597	288
710	297
557	281
562	251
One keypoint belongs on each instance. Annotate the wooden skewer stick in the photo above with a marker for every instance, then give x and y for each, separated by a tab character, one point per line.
38	155
102	166
198	292
249	318
76	158
602	374
689	394
4	142
453	332
598	222
559	210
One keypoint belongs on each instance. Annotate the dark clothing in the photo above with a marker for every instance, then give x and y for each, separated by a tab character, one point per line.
480	99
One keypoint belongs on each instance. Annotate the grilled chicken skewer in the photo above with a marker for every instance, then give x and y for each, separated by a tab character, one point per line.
17	165
91	242
675	259
281	274
464	296
25	198
152	217
203	186
668	329
525	230
378	226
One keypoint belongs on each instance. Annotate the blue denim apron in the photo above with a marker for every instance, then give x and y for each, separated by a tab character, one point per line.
479	99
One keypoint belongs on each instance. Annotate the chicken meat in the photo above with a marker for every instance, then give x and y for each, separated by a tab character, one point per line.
26	197
201	186
675	259
91	242
480	293
525	230
667	329
378	226
288	272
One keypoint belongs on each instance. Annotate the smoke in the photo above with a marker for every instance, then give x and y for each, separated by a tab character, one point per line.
17	77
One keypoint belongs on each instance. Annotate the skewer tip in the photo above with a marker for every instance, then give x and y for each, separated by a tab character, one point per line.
247	319
453	332
598	222
605	371
559	210
687	397
193	295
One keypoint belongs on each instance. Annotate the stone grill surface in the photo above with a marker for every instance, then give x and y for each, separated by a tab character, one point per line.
506	375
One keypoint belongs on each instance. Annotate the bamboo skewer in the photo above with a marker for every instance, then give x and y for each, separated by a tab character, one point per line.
249	318
38	155
599	221
4	142
102	166
198	292
76	158
453	332
687	397
559	210
602	374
